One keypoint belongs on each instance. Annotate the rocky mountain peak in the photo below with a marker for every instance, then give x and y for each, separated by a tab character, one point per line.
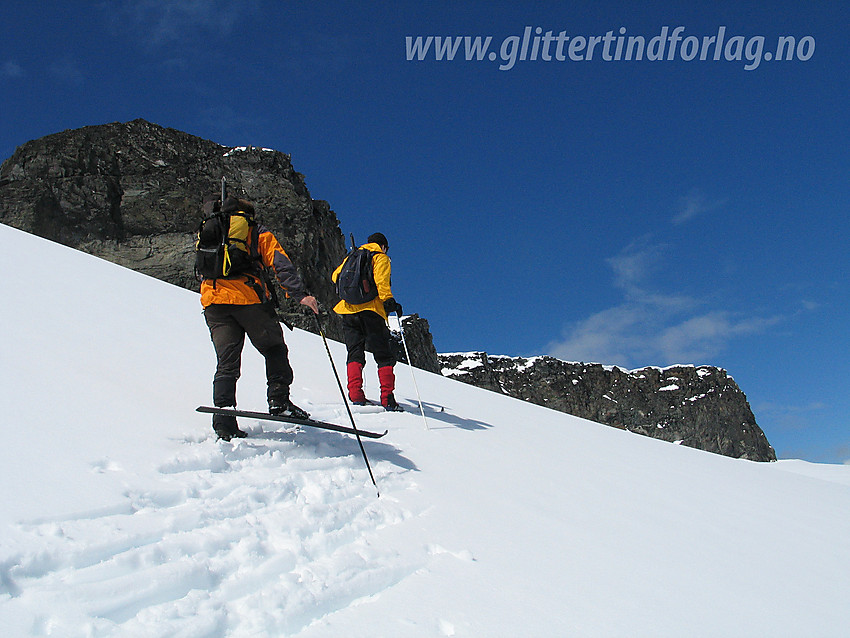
131	193
697	406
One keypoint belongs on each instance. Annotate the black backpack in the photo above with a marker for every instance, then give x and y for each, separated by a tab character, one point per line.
356	281
227	238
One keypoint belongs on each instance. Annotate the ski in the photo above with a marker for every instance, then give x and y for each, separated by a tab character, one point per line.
265	416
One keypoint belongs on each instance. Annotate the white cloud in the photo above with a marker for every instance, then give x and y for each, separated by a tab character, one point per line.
693	205
67	71
702	337
633	266
643	333
169	21
612	336
649	327
11	69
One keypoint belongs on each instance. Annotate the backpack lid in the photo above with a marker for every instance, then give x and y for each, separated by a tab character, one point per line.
212	205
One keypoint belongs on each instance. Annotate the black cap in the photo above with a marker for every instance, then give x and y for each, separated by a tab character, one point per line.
378	238
233	204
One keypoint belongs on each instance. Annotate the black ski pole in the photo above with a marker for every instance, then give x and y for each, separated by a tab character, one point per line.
347	408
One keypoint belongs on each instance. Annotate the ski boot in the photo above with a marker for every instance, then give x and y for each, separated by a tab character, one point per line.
226	428
287	408
391	405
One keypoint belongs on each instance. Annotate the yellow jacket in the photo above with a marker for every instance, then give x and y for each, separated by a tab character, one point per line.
381	269
248	289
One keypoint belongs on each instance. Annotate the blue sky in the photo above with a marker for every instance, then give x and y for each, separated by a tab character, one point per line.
635	213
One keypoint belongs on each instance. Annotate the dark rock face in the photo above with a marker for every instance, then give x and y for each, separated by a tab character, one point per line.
420	344
701	407
132	193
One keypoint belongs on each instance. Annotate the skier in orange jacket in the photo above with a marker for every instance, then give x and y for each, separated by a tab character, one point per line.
242	305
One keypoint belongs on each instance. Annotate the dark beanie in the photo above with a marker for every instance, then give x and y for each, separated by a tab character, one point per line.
378	238
233	204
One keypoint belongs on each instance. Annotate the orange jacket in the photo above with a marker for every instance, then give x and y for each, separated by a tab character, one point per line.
247	289
381	269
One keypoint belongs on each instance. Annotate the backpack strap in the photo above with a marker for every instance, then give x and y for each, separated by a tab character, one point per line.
262	271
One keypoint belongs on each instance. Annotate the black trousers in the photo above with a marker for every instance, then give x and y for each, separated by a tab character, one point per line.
228	324
367	330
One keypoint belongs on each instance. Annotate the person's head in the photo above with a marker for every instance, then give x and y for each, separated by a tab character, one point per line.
234	204
378	238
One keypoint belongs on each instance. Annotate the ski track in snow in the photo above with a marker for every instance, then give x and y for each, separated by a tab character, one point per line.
284	517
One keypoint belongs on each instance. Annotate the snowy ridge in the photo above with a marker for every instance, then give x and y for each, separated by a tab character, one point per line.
473	359
123	516
242	149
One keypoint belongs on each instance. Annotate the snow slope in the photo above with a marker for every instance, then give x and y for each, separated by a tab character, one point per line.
123	516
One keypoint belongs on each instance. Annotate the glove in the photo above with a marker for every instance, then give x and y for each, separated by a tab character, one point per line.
391	305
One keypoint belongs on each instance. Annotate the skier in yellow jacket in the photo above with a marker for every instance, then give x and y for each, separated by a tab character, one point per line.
242	305
364	327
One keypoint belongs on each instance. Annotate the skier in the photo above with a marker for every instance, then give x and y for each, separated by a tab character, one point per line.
364	327
243	304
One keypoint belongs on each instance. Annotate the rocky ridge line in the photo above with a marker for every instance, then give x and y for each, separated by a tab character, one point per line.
698	406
